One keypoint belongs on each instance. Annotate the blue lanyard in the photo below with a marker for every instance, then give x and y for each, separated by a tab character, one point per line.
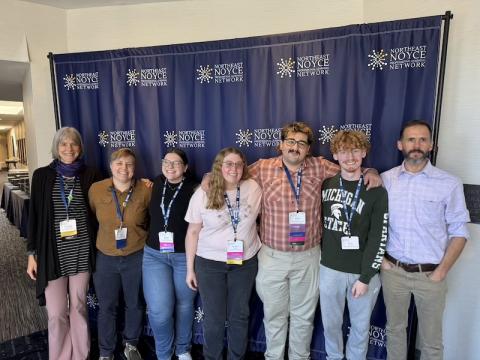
166	214
353	207
234	212
296	190
67	200
124	205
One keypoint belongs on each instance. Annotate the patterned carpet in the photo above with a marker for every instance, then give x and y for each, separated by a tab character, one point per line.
19	311
31	347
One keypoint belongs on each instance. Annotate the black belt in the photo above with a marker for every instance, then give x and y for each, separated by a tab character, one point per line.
411	267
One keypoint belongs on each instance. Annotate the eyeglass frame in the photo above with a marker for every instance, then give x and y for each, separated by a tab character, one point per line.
292	142
231	164
172	164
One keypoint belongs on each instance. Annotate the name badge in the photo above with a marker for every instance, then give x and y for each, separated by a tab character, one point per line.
297	226
165	239
235	252
121	237
350	243
68	228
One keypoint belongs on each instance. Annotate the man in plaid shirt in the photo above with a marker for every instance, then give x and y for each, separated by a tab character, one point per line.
288	262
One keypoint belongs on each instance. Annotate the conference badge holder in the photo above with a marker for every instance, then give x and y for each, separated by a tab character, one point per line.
297	226
121	237
235	252
350	243
165	239
68	229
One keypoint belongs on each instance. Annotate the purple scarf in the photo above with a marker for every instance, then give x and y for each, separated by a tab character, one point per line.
68	170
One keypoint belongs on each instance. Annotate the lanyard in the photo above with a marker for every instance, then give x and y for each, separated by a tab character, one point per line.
166	214
124	205
296	190
353	207
67	200
234	212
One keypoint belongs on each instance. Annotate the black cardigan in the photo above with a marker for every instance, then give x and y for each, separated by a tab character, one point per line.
41	224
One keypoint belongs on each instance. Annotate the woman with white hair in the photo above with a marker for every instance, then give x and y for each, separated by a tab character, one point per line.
61	244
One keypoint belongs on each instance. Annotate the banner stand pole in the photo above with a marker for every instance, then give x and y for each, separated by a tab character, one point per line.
54	90
436	126
441	79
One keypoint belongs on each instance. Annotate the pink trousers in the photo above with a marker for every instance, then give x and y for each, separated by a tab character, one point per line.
68	335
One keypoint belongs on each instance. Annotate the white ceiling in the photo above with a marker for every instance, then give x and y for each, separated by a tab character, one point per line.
78	4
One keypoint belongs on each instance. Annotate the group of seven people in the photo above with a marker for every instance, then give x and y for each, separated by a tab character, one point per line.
165	242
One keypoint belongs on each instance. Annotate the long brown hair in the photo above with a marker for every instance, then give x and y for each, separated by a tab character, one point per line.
216	183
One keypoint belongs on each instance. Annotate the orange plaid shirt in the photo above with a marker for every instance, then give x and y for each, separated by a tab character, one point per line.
279	200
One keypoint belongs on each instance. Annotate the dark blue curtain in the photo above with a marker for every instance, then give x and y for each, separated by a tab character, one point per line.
202	97
205	96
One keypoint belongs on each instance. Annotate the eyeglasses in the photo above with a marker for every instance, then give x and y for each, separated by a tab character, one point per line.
233	165
169	164
292	142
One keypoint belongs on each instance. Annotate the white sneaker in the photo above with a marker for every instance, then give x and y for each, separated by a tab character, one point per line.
185	356
131	352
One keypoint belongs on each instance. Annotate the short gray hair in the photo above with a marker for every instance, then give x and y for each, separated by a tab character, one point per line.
62	134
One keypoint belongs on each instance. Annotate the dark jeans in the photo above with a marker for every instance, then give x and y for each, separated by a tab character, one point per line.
225	292
113	275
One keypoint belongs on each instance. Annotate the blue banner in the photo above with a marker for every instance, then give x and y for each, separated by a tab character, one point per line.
202	97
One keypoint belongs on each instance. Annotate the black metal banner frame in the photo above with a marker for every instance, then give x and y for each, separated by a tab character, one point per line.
441	78
435	128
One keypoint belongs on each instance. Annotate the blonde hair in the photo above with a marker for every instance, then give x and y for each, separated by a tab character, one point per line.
123	152
216	184
348	140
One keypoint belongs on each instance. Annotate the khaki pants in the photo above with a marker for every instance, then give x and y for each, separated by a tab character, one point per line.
287	283
398	285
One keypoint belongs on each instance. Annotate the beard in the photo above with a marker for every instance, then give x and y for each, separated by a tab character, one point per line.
408	156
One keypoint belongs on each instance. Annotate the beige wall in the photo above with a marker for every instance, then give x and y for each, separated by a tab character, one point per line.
48	29
44	29
192	21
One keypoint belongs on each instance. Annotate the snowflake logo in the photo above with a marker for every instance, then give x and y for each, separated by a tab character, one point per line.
199	314
327	134
70	83
170	138
103	138
244	138
132	77
377	60
204	74
92	301
286	67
